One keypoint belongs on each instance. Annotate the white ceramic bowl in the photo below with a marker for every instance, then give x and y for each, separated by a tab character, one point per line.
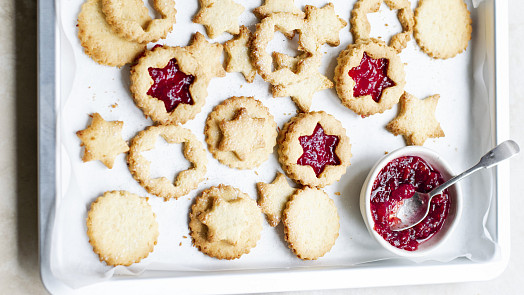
438	163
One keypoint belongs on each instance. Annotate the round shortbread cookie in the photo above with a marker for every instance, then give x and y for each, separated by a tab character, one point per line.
351	58
186	180
311	223
313	149
142	82
131	20
442	28
122	228
224	222
360	27
100	42
240	132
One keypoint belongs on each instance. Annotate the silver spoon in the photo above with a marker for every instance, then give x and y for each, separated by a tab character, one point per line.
416	208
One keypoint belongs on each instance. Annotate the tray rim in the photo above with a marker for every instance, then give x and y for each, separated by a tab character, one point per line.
458	270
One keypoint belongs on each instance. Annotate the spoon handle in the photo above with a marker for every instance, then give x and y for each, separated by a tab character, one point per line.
501	152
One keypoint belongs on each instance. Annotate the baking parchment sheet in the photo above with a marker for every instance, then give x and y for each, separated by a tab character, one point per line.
85	87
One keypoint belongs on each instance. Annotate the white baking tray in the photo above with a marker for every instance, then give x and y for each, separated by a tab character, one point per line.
52	81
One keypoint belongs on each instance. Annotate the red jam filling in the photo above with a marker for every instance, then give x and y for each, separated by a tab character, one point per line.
319	150
171	85
371	77
397	181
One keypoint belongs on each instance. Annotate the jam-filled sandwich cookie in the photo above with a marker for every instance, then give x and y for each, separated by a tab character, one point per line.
240	132
225	223
311	223
369	77
314	149
122	228
169	85
186	180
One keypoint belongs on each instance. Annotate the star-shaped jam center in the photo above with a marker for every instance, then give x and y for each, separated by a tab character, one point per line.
371	77
171	85
319	150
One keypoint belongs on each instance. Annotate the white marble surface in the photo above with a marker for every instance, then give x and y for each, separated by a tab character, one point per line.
18	157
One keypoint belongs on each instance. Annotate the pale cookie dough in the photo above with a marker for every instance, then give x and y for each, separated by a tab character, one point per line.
102	140
186	180
290	150
240	132
360	27
443	28
272	198
311	223
141	82
224	222
273	6
208	56
237	50
416	119
219	16
350	58
100	42
130	19
122	228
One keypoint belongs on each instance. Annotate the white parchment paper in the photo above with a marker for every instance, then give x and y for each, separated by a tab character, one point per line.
86	87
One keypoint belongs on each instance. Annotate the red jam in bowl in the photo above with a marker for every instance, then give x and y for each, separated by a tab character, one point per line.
371	77
397	181
319	150
171	85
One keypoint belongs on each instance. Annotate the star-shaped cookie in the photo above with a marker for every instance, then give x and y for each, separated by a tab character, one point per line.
272	198
237	50
242	135
416	119
227	220
219	16
207	55
325	23
102	140
272	6
303	88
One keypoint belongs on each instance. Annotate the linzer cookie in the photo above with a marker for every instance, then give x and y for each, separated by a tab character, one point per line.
240	132
122	228
186	180
219	16
99	40
361	28
311	223
224	222
369	77
131	20
443	28
416	119
313	149
272	198
169	85
102	140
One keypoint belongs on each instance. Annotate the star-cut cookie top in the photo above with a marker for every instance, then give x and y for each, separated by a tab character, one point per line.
272	6
416	120
273	198
103	140
243	134
219	16
208	55
237	50
227	220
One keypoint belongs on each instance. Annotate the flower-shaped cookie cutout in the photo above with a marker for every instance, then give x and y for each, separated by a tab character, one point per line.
314	149
240	132
186	180
369	77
